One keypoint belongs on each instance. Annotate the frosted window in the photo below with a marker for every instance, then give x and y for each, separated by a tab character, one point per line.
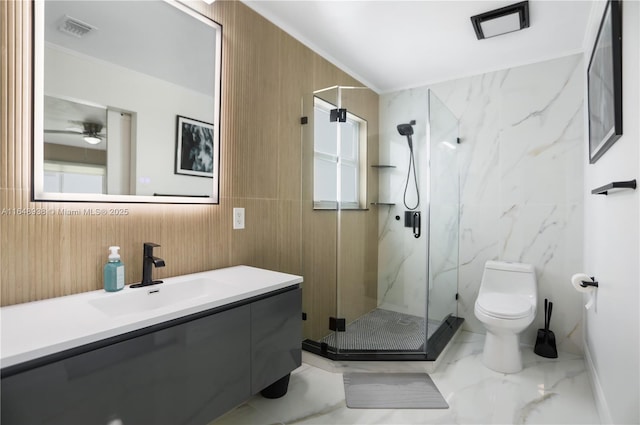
326	180
337	172
349	185
81	183
74	178
325	133
52	182
349	136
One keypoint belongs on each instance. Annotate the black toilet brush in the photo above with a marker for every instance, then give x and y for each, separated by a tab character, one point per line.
546	340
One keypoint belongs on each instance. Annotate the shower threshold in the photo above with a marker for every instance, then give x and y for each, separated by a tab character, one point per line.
387	335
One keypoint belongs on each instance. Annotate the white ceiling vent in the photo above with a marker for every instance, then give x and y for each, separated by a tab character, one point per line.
75	27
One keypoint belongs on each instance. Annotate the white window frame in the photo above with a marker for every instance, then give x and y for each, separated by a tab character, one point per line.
60	168
359	163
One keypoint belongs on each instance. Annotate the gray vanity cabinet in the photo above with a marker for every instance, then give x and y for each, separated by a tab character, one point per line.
276	332
187	371
182	374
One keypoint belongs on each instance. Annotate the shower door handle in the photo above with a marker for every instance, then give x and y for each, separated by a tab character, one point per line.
416	224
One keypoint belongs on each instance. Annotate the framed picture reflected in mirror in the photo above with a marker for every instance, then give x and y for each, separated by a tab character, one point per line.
196	149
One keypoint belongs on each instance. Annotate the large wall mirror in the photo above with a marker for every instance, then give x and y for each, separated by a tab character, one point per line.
126	102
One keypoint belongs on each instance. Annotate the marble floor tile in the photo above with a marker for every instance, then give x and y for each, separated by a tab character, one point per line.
546	391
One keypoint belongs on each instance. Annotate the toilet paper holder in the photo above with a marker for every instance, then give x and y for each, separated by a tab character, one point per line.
586	283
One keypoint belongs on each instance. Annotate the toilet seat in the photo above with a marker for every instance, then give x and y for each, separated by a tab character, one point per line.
504	306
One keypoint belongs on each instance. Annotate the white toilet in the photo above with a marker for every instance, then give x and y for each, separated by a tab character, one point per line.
506	306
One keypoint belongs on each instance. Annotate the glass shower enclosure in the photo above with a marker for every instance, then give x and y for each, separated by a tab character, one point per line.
380	195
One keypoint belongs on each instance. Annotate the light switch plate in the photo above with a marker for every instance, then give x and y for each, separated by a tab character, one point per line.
238	218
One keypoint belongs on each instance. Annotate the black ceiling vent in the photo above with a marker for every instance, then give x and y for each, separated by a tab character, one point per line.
501	21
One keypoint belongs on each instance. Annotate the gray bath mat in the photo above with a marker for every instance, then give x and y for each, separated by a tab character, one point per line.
392	391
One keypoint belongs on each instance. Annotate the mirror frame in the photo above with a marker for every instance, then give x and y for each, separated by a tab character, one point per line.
37	137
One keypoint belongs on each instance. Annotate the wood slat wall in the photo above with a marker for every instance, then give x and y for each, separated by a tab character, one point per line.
340	251
265	75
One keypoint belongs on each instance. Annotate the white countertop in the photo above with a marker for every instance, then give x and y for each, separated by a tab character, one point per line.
36	329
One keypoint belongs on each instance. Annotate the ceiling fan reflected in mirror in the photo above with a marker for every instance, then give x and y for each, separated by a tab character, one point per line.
90	131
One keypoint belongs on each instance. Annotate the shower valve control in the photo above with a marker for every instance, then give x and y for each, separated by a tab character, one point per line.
412	220
409	218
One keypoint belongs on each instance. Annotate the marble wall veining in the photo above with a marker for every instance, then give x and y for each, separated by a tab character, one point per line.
403	276
521	183
521	178
401	269
444	210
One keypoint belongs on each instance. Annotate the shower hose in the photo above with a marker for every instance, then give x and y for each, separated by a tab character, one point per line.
412	164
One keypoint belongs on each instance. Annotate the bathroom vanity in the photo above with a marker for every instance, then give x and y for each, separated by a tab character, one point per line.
186	354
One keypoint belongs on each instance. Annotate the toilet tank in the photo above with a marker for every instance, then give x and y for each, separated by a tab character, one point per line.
513	278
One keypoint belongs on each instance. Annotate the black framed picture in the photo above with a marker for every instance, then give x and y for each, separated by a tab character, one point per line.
196	148
605	83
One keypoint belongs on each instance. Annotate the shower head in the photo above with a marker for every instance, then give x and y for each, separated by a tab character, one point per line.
405	129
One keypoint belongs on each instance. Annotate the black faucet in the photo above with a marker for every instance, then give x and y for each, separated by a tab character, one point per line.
148	260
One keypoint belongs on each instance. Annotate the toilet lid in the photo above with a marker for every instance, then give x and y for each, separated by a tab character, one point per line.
504	306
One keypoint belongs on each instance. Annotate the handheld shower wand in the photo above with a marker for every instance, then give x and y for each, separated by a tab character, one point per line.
407	130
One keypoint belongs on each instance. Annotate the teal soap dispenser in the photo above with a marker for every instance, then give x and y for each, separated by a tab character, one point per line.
114	271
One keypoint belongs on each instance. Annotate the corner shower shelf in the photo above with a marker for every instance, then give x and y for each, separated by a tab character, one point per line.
383	166
603	190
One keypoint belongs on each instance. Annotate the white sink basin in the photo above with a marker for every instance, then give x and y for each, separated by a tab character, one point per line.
138	300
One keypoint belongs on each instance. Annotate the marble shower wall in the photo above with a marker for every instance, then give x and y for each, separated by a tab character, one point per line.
444	209
402	283
521	183
402	271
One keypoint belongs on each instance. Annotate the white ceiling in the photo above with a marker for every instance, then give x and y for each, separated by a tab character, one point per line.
393	45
